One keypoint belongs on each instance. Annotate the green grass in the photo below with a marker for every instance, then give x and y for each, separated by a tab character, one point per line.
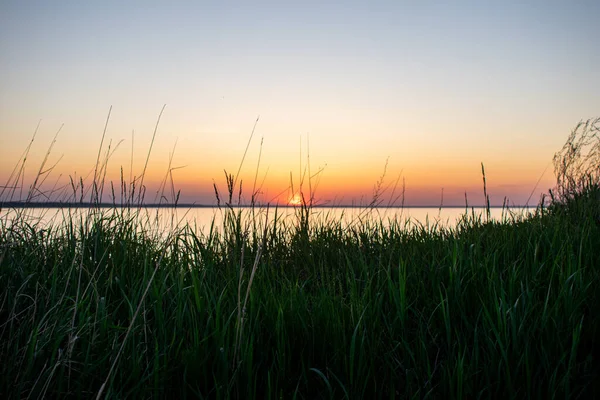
107	306
301	311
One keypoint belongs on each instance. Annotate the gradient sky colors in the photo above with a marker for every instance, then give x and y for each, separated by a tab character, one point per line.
436	88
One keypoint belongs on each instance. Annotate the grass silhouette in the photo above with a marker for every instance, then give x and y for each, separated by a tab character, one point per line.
102	305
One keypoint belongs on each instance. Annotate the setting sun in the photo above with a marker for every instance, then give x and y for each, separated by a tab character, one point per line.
296	200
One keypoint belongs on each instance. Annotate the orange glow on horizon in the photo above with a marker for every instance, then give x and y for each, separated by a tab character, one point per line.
296	200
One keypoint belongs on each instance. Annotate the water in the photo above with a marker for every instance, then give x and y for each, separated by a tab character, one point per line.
201	218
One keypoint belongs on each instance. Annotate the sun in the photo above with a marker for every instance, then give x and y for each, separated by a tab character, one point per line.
296	200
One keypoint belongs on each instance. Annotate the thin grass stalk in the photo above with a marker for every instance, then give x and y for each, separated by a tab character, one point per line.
114	363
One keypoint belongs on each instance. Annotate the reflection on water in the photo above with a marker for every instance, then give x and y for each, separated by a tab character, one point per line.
201	219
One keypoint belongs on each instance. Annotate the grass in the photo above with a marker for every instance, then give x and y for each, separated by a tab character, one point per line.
107	307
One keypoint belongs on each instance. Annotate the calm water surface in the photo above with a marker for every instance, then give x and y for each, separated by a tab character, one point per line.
201	219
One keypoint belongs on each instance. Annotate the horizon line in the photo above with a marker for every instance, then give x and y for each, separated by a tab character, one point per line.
59	204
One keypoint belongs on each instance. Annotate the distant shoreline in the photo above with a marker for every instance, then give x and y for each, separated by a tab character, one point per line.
17	204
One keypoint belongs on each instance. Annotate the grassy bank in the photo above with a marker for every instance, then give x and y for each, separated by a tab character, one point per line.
107	306
302	311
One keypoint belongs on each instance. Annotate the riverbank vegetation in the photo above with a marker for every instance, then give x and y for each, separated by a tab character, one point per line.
264	308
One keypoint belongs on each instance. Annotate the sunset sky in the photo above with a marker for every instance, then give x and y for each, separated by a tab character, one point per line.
434	88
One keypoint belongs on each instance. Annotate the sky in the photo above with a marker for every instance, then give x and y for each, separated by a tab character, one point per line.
417	94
